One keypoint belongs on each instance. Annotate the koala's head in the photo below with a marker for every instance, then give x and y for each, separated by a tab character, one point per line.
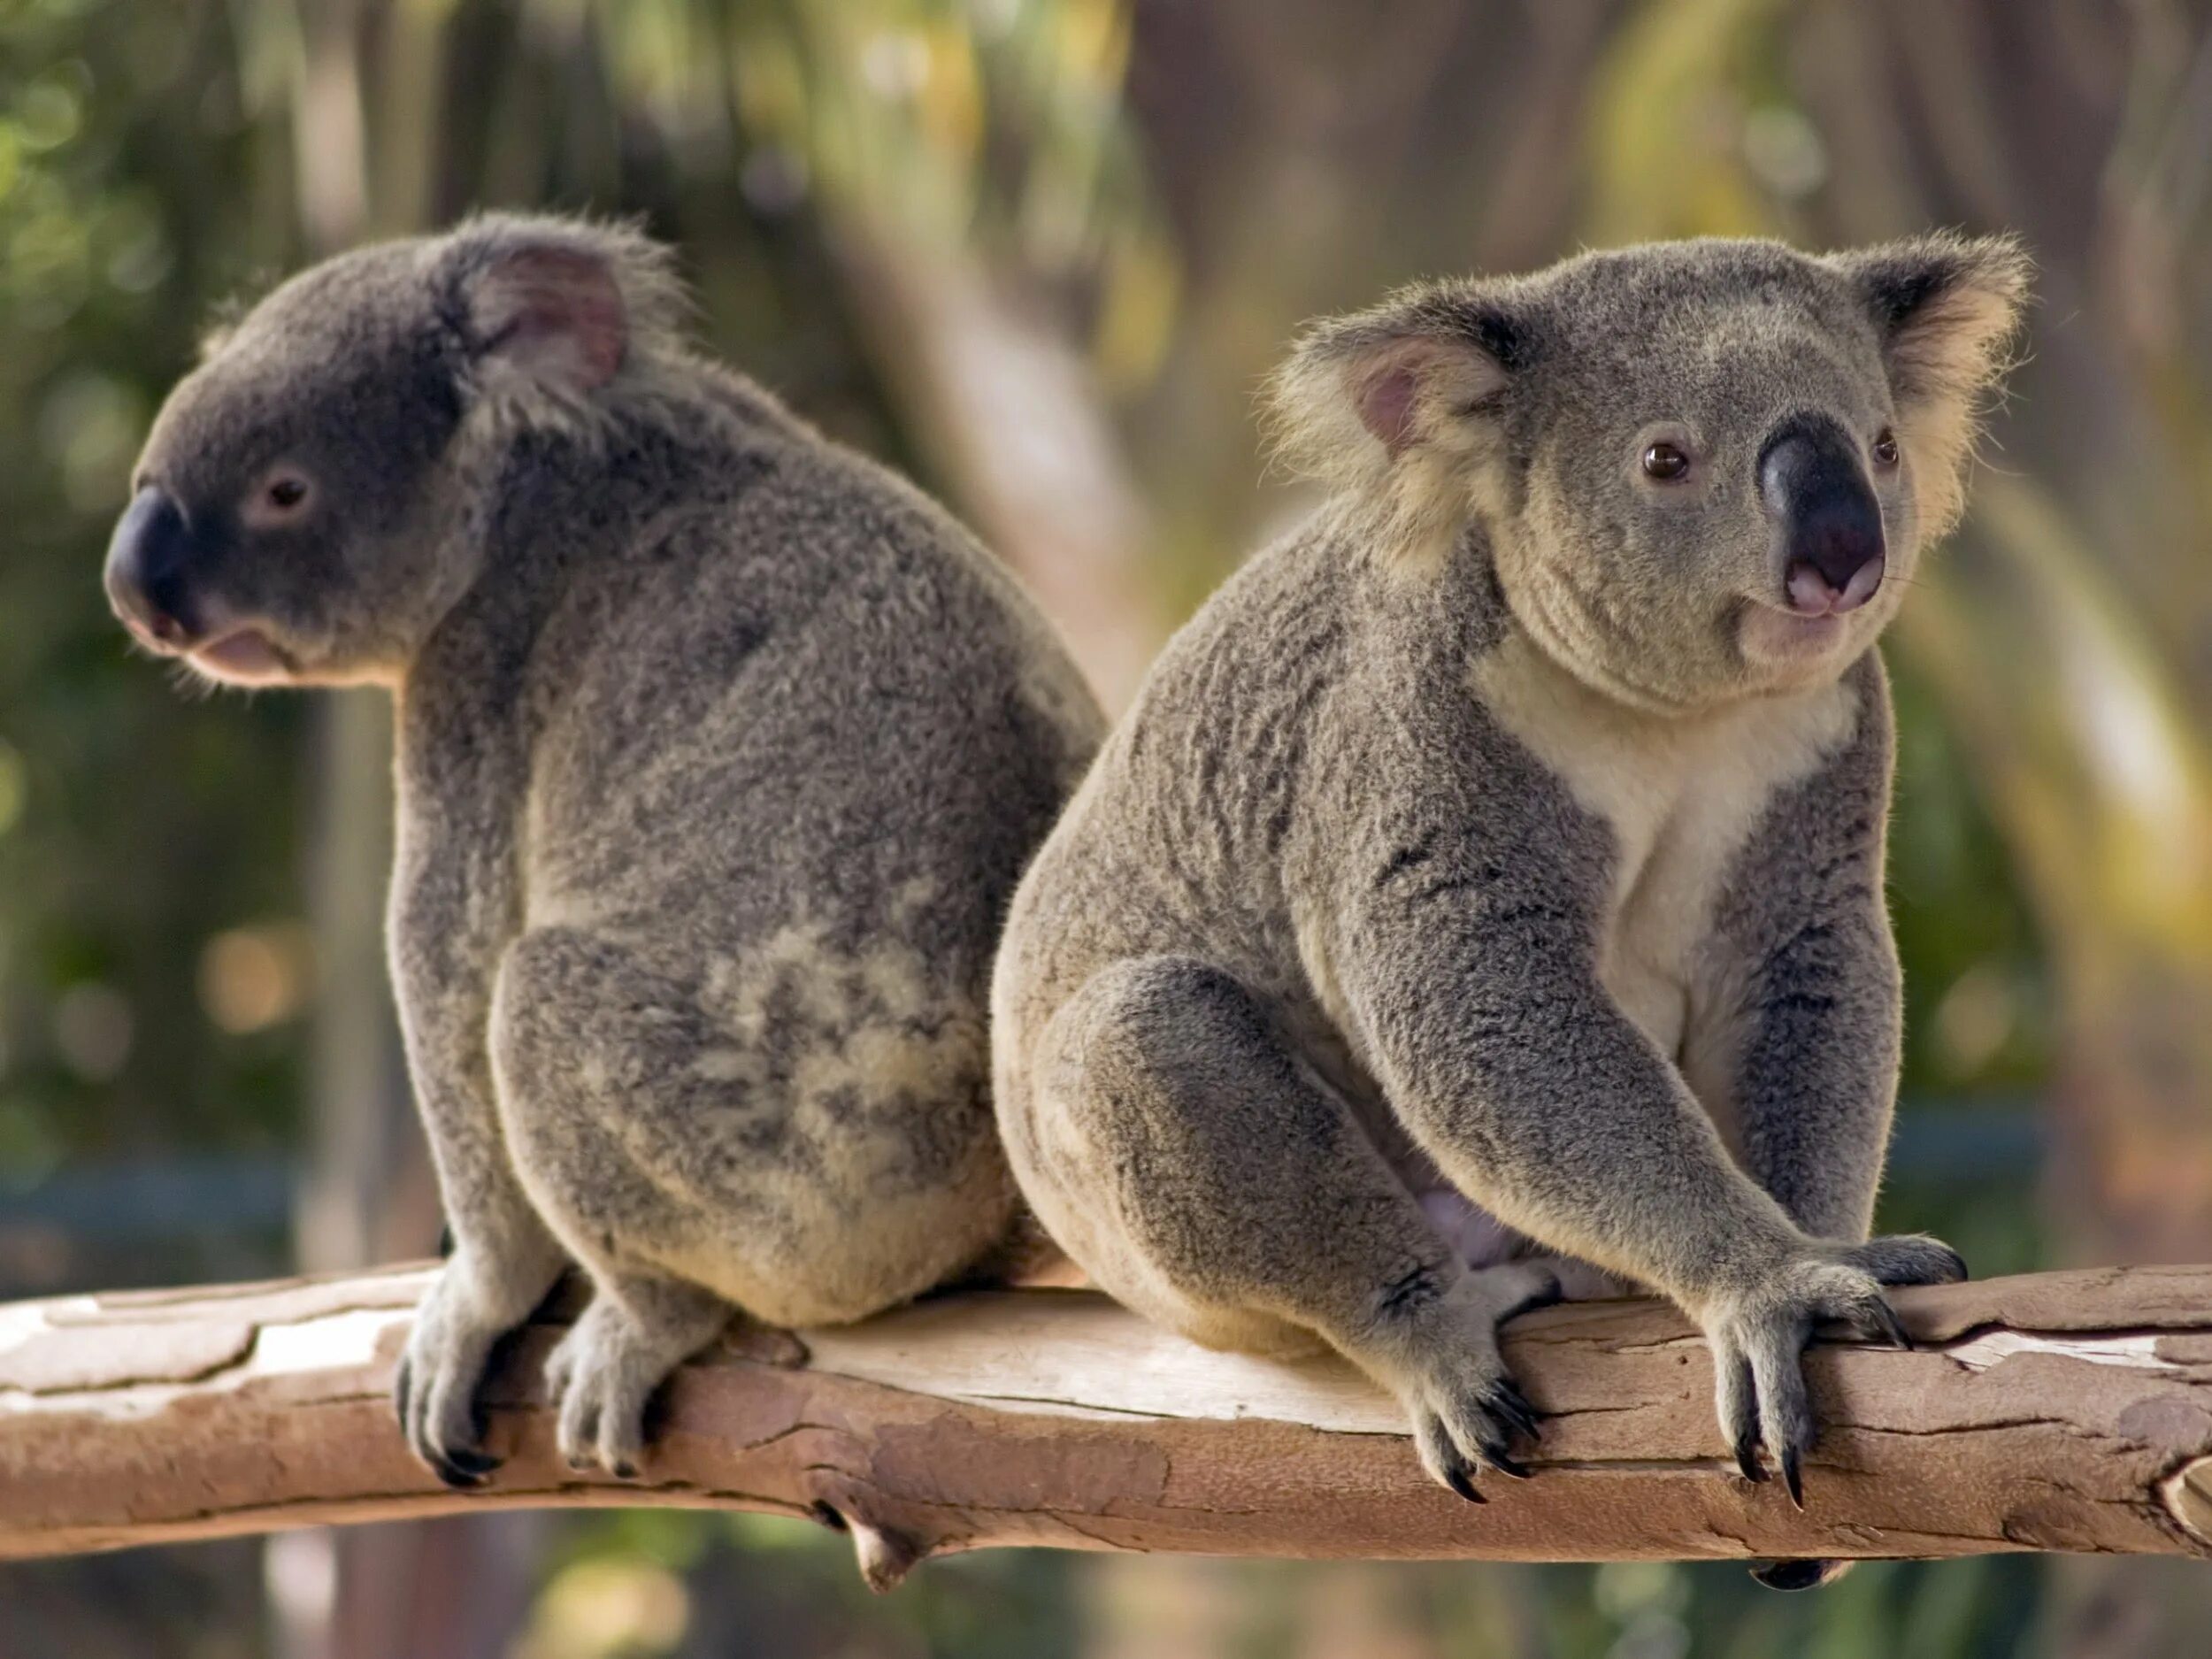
307	504
1706	469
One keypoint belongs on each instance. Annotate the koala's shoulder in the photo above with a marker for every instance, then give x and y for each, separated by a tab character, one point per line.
1250	673
854	531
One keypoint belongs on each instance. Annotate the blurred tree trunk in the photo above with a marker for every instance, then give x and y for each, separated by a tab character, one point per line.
1009	416
1307	152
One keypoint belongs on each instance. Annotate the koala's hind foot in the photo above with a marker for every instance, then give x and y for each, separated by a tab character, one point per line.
1758	1336
481	1293
1206	1176
637	1330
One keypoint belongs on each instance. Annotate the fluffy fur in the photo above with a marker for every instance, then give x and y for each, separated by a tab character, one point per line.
1485	893
720	751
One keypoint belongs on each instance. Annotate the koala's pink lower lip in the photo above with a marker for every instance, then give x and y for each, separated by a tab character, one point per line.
243	655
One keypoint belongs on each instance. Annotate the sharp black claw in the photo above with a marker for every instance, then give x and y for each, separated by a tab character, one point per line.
1748	1461
471	1462
1514	1415
1793	1477
624	1470
1505	1465
1515	1405
454	1475
1886	1322
1456	1479
1792	1575
1958	1261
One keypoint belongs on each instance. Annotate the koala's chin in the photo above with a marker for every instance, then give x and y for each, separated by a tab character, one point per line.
254	652
1784	651
261	656
245	656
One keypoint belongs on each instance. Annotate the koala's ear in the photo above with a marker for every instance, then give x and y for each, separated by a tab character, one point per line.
549	314
1418	373
1946	308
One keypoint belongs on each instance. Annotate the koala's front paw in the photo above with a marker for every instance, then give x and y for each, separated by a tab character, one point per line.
1466	1409
435	1389
612	1360
1758	1335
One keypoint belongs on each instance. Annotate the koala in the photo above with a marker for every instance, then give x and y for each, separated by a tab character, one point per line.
1483	898
719	752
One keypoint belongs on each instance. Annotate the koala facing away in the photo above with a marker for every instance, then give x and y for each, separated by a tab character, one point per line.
1485	891
719	752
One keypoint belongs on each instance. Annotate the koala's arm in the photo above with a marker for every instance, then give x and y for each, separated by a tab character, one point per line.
1468	961
1799	1030
455	904
455	901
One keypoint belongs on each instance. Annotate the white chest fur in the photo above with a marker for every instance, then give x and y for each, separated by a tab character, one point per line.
1681	793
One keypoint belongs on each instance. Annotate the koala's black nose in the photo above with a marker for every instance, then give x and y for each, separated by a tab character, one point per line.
147	558
1828	527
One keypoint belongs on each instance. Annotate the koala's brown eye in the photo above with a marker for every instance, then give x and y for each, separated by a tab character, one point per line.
1886	448
277	502
1665	462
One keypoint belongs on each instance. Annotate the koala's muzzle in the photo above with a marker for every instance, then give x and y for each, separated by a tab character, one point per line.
148	557
1828	525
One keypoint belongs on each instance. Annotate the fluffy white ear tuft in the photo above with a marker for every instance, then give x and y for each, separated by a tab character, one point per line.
1946	308
1405	391
1399	402
1361	392
552	314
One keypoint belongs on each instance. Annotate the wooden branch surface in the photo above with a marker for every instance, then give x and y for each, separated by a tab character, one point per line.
2061	1412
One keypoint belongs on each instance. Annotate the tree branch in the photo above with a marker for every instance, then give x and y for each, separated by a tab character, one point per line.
2062	1411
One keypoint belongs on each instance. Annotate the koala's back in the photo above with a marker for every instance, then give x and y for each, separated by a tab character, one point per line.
810	694
792	737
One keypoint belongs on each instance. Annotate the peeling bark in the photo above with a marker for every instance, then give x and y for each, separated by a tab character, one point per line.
2062	1411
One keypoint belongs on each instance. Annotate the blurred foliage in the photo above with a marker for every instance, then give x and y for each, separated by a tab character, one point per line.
1164	190
135	829
625	1585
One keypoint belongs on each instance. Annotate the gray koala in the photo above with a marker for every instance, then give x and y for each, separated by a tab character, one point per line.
720	751
1484	895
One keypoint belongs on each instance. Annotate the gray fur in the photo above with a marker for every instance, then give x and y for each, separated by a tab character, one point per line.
1485	891
720	751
